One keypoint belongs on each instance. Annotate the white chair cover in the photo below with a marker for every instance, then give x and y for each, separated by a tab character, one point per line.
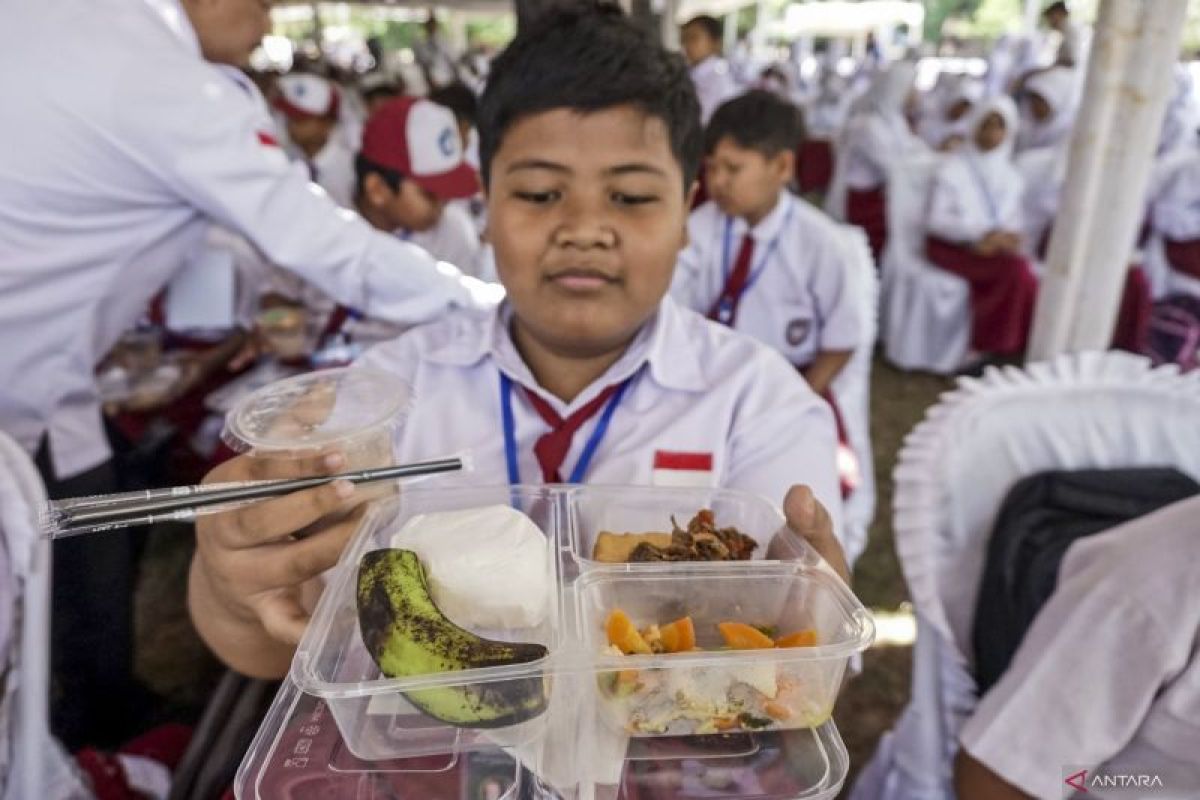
852	388
926	312
1088	410
32	764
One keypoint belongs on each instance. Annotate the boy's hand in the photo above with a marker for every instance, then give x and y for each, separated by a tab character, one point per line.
809	520
249	571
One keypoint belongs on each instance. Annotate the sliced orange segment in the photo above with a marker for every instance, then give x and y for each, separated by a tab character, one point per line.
678	636
777	711
624	634
741	636
801	638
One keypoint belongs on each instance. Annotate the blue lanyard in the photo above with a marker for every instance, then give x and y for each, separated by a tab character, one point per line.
754	275
973	165
589	449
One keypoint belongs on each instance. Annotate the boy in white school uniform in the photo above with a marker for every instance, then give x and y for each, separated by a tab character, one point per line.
759	259
309	106
711	72
587	372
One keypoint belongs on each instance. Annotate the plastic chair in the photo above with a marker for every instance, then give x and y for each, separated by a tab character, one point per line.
852	387
926	312
32	763
1089	410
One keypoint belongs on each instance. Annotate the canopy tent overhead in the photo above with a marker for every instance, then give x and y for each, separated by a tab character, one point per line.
848	19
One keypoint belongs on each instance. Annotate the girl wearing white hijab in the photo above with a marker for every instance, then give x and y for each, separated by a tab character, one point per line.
1175	214
877	137
945	126
1049	105
1182	119
973	230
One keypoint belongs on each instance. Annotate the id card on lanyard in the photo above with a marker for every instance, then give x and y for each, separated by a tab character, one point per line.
508	420
727	301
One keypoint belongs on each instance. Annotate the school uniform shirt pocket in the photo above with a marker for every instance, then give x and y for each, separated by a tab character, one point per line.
678	468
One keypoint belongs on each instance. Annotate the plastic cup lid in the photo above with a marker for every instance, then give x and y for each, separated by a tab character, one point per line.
315	410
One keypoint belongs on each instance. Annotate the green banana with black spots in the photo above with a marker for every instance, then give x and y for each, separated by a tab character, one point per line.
407	635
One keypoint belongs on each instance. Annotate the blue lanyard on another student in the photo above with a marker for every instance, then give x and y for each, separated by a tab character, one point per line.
725	310
589	449
973	165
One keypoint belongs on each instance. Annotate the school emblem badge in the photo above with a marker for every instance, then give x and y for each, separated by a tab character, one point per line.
797	331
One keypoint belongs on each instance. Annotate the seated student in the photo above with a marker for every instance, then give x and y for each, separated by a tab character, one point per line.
701	38
1048	106
587	372
459	98
410	167
1175	215
309	105
759	259
1107	679
944	126
377	88
875	138
974	229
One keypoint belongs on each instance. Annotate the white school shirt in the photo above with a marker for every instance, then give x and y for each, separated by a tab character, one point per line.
800	304
1108	675
706	407
715	84
333	167
1175	209
453	239
965	203
873	142
130	145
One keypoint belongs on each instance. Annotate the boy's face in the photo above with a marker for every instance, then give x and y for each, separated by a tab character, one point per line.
310	134
587	215
697	44
744	182
409	207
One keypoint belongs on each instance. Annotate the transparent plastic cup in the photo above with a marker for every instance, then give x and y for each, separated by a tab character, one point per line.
139	351
353	410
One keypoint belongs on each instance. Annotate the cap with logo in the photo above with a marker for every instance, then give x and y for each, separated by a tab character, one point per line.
420	140
303	95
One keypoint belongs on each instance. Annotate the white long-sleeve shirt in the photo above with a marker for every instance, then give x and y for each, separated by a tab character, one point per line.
126	145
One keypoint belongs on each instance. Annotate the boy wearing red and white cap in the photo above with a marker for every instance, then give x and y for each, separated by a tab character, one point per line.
308	106
410	166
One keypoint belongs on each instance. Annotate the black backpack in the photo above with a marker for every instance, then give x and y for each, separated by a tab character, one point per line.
1039	519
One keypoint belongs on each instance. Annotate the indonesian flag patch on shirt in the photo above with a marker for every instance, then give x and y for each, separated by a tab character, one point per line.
675	468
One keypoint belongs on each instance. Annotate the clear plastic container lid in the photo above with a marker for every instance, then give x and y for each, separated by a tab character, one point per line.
349	407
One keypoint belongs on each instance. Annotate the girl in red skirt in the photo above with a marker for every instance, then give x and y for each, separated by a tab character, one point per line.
973	224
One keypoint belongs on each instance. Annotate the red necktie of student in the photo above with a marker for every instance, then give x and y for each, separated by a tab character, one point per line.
551	448
724	310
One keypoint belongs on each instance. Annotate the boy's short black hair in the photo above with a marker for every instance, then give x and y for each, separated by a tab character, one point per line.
711	25
757	120
460	99
1059	7
590	58
365	166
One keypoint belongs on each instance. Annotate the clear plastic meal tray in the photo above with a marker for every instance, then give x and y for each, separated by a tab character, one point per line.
299	754
573	689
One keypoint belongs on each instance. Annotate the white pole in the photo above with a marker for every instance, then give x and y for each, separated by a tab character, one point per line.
1128	161
1066	258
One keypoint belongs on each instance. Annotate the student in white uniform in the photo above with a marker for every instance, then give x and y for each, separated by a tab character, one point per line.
136	134
1181	123
760	260
433	54
946	125
460	99
588	373
875	138
1175	215
974	230
310	105
700	38
1107	678
1048	107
